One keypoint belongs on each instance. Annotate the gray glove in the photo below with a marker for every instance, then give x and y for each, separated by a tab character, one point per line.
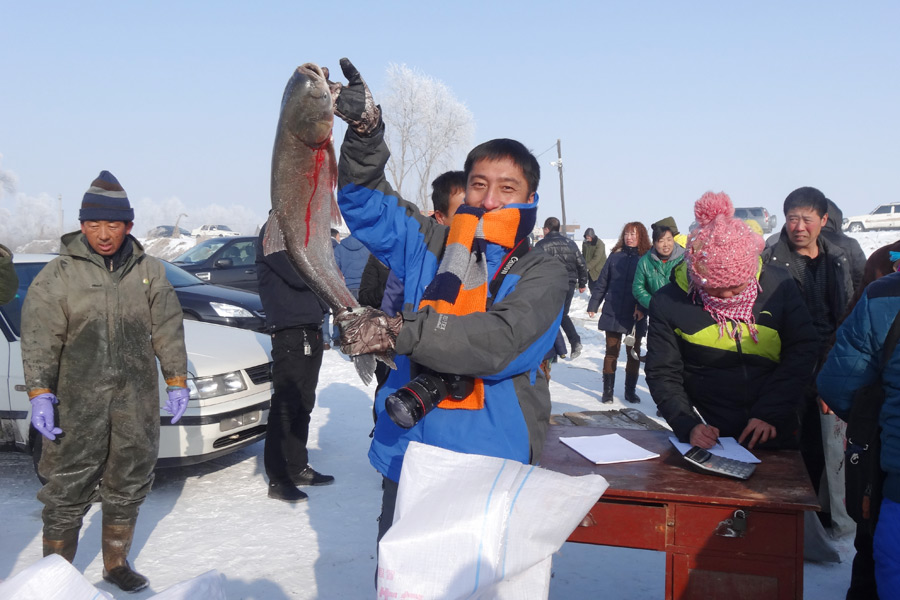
367	330
353	102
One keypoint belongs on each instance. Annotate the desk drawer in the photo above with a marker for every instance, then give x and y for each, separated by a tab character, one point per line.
767	532
628	525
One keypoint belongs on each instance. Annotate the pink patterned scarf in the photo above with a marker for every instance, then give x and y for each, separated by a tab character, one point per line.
737	309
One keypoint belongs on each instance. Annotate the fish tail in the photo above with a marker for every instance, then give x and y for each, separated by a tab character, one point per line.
365	367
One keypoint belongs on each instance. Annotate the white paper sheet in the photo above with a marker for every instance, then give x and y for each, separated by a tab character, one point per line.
729	448
607	449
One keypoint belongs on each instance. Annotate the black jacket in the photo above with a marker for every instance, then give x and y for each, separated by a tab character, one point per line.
833	233
614	290
840	282
689	365
558	245
371	285
286	298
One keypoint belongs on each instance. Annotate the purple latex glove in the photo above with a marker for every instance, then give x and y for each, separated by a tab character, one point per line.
42	415
177	402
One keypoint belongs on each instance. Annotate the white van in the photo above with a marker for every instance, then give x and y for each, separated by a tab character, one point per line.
229	375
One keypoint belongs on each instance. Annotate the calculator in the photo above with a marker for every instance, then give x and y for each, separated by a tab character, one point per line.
707	462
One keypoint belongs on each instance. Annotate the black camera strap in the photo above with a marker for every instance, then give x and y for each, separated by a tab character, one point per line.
517	252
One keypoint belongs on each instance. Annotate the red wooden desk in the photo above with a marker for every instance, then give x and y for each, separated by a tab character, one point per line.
661	504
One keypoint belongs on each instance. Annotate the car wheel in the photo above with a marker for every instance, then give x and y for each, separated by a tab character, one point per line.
856	227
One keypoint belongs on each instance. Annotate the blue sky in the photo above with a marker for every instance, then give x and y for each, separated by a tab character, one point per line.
655	102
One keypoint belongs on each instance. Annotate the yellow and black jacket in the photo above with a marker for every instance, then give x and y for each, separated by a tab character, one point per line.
730	381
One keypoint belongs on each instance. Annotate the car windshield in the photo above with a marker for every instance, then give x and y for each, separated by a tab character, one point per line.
26	272
200	252
180	278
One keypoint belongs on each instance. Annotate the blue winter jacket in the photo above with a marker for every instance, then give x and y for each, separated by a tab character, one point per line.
855	361
503	345
351	257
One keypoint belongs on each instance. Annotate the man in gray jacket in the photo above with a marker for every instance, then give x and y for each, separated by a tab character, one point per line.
94	322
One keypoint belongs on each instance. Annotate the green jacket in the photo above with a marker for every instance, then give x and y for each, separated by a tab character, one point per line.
88	332
9	282
652	273
594	257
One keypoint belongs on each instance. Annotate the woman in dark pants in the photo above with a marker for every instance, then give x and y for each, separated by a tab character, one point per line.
620	310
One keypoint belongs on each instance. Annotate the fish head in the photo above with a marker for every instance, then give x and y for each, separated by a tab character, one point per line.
306	107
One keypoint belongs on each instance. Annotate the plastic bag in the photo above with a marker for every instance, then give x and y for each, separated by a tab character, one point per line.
471	526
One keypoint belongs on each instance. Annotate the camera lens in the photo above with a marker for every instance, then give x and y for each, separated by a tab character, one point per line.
409	404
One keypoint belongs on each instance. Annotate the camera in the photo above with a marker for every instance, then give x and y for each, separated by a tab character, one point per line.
409	404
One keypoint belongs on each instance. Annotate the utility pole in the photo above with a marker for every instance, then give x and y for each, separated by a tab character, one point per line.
61	230
562	195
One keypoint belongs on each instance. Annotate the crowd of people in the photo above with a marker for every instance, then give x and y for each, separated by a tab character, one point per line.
738	334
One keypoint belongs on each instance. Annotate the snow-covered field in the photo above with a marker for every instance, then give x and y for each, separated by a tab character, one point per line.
217	516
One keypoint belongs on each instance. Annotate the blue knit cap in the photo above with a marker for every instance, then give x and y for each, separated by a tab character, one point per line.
105	200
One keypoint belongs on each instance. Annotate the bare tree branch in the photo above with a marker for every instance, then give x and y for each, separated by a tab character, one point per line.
427	131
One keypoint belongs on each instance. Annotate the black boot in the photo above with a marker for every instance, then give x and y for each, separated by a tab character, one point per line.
609	382
630	384
116	542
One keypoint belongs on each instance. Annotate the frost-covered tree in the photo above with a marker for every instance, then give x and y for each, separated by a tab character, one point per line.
427	130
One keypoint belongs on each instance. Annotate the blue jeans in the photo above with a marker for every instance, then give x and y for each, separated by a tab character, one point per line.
887	551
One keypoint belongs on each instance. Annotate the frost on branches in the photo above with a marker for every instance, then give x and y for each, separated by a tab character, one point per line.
427	130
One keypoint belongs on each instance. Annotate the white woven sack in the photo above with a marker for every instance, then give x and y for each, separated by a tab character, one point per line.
478	527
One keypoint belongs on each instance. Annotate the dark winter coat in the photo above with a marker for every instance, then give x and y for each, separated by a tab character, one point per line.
653	273
558	245
351	257
729	381
832	231
613	289
840	282
371	286
855	361
9	281
594	255
286	298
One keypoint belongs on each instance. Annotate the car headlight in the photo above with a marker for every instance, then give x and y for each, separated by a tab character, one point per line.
230	310
217	385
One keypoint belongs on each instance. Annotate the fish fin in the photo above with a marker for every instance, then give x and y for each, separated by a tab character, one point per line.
335	211
388	359
274	239
365	367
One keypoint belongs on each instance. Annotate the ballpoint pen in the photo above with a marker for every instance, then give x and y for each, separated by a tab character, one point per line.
702	420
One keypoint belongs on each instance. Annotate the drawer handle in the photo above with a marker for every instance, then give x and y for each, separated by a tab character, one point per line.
735	527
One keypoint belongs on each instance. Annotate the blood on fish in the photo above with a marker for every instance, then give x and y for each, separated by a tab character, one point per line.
314	179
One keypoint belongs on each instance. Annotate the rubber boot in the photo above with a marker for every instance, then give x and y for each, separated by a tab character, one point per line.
630	384
609	383
65	546
116	542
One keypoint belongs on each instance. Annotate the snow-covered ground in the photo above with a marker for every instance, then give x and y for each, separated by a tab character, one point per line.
216	515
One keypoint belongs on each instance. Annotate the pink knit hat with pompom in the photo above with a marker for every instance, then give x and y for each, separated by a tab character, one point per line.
721	251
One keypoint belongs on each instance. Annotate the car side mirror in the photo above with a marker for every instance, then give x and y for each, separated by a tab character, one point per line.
224	263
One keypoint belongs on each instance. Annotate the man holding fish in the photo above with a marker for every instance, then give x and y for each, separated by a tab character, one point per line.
478	306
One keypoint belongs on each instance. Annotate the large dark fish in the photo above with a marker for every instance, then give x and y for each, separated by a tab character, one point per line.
304	176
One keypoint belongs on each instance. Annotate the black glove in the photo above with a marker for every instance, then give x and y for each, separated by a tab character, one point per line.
367	330
353	102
